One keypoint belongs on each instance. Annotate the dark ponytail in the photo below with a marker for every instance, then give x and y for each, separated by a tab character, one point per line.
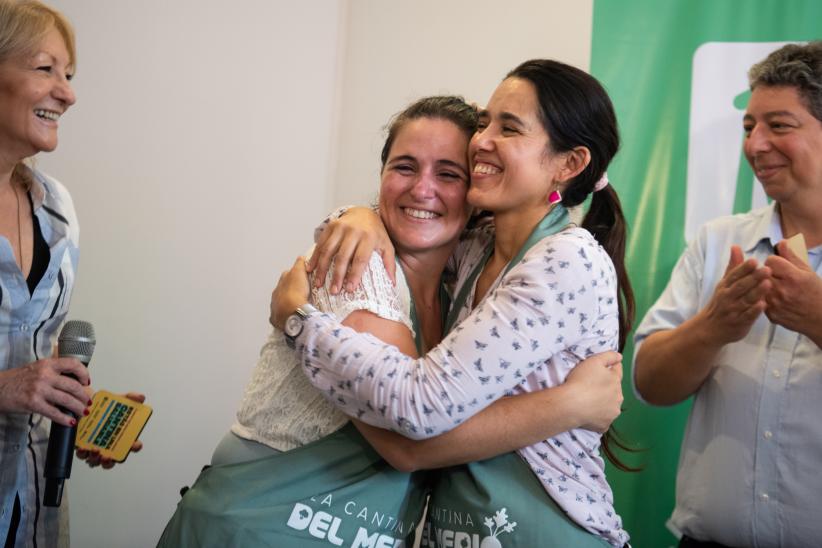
606	222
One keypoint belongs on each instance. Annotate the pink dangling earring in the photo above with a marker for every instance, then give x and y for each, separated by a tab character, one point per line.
555	197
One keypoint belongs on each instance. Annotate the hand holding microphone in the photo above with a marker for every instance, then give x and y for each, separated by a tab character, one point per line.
76	341
44	387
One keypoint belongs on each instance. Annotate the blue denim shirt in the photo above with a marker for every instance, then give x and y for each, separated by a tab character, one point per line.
29	325
749	464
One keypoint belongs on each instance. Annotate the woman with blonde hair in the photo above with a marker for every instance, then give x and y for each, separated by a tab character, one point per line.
38	261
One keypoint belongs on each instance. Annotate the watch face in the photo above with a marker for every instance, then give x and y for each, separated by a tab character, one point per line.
293	325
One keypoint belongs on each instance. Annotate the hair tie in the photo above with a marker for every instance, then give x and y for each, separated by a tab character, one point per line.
602	183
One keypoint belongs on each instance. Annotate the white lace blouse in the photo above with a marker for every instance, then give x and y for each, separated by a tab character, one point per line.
280	407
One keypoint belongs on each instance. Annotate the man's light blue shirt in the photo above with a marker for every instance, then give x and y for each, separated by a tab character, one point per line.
750	468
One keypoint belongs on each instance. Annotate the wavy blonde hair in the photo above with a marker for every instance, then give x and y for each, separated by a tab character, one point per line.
23	26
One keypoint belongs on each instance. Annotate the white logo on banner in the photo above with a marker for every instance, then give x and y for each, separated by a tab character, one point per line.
720	74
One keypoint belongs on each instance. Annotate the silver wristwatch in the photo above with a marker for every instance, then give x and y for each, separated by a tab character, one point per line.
295	323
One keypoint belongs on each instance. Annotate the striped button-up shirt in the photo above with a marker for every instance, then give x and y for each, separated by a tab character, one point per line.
29	325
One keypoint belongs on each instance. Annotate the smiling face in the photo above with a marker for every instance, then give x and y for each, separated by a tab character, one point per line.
34	91
783	144
513	168
424	181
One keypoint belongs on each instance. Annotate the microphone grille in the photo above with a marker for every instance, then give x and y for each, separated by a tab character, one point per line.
76	339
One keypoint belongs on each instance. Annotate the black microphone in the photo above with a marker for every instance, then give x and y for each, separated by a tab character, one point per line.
76	341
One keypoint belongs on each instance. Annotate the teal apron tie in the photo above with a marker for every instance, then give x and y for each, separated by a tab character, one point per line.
554	221
445	303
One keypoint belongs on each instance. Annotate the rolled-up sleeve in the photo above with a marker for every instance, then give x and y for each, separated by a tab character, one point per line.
679	301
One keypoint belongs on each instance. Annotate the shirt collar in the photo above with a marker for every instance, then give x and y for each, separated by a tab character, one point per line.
767	227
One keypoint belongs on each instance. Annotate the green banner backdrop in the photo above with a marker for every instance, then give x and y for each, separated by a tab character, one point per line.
676	71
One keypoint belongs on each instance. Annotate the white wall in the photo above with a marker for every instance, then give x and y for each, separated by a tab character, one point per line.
201	153
398	51
198	158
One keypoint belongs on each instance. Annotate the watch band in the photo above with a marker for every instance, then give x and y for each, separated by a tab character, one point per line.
295	323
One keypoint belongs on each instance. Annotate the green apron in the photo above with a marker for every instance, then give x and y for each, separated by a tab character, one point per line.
499	502
336	491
